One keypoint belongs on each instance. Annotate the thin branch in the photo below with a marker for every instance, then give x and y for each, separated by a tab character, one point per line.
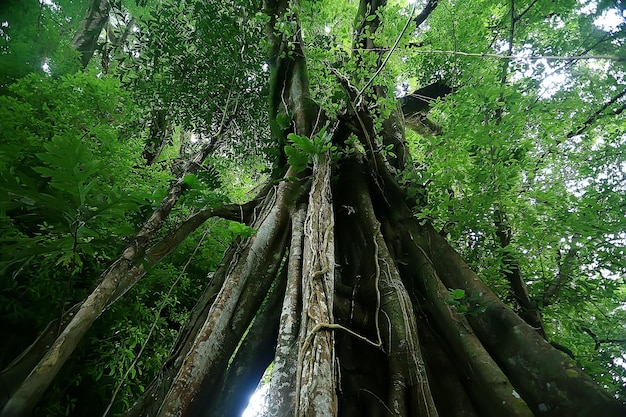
564	274
530	6
616	58
597	114
428	9
597	341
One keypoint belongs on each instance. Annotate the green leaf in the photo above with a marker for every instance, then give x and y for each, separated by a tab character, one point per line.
457	293
303	143
241	229
296	158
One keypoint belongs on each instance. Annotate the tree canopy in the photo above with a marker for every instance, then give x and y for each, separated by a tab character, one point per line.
171	170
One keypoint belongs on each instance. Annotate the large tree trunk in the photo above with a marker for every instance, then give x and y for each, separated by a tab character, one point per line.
365	327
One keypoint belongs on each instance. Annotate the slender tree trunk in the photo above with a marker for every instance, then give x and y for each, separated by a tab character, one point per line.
282	395
315	370
116	280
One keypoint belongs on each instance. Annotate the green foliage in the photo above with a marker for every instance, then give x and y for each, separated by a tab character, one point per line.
204	188
31	35
73	186
205	73
508	162
301	153
61	200
240	229
517	157
465	304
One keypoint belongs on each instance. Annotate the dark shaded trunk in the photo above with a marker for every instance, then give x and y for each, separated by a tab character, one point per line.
86	37
159	136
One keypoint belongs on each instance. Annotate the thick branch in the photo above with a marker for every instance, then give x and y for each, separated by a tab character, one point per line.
489	387
89	30
544	377
250	274
428	9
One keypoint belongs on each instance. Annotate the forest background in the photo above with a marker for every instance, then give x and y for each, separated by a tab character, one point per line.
515	145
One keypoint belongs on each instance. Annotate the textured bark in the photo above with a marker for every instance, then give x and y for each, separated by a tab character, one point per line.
253	356
544	377
488	386
315	380
283	385
409	390
235	305
443	374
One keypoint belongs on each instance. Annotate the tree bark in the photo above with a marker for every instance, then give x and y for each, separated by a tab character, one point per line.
315	379
282	395
249	362
250	274
544	377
